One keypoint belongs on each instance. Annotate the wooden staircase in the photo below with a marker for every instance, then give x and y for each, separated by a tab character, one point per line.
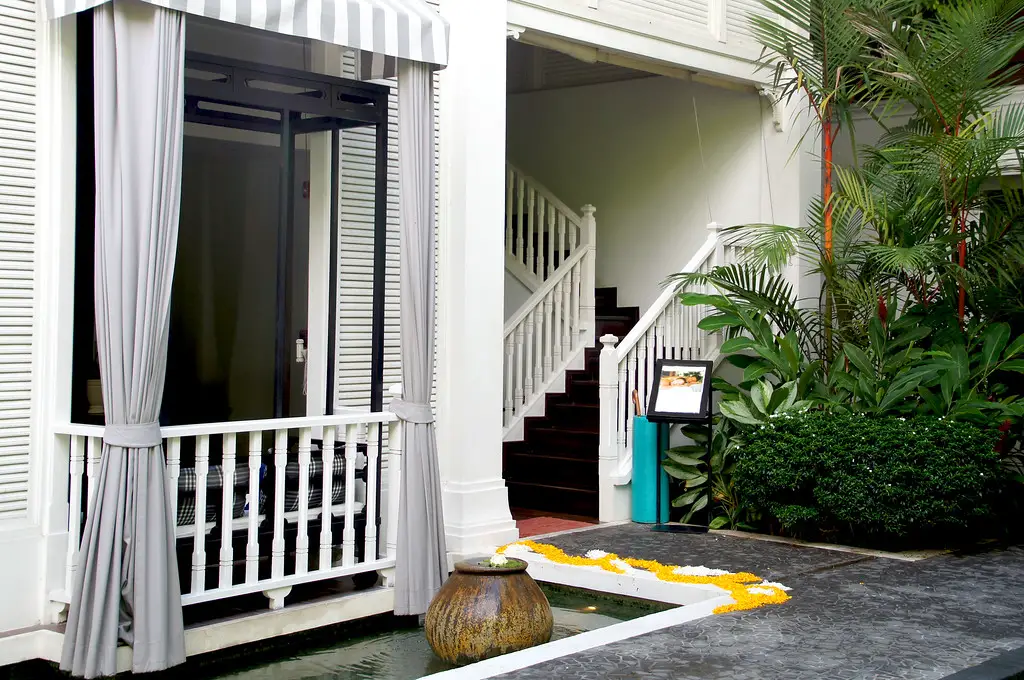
555	468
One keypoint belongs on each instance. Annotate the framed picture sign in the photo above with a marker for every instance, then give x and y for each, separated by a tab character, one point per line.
682	391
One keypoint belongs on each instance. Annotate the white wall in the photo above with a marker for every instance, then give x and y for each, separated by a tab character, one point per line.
631	149
515	294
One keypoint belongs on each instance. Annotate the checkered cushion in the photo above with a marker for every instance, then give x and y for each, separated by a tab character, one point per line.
291	493
186	514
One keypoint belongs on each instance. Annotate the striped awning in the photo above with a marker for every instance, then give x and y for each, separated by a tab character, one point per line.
382	31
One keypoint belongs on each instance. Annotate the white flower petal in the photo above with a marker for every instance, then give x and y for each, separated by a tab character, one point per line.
698	571
596	554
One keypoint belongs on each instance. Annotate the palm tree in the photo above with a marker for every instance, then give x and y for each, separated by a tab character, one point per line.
928	220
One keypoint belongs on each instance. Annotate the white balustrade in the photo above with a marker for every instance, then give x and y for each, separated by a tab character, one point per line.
541	232
667	330
555	325
245	526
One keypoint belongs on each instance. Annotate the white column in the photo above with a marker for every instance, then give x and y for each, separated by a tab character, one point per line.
28	584
471	273
326	59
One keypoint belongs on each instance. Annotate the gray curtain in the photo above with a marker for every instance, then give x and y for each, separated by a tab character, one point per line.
422	557
126	587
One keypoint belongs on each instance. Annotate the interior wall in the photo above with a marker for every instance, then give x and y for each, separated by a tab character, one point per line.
632	150
515	294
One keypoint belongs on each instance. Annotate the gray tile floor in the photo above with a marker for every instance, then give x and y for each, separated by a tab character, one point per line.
850	617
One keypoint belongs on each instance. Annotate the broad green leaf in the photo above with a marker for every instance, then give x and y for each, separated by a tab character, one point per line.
807	378
993	343
899	389
784	396
931	400
682	472
736	344
790	348
718	522
683	460
687	498
876	334
859	359
718	321
694	482
717	301
756	371
761	395
742	360
738	411
1016	347
697	506
1015	365
913	335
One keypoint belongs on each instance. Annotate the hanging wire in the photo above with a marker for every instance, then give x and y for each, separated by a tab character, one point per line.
767	170
700	147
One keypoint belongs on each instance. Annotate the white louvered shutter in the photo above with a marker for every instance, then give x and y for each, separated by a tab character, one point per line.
737	19
355	258
17	211
685	14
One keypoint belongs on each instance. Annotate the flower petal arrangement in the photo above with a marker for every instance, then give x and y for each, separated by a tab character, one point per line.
747	590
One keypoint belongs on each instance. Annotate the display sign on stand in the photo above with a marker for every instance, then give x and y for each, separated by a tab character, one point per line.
681	395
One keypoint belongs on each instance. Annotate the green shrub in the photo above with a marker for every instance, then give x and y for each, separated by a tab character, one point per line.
859	475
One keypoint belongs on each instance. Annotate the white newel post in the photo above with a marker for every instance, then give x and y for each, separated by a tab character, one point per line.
471	272
718	259
588	237
613	500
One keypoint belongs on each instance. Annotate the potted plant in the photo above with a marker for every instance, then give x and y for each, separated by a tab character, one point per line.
486	608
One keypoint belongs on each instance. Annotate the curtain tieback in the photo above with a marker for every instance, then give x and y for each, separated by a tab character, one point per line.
140	436
411	412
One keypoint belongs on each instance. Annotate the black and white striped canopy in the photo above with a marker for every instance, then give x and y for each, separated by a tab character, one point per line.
382	30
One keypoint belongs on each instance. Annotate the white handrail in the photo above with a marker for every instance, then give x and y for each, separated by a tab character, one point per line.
554	325
300	481
553	200
348	417
539	229
669	294
547	287
667	330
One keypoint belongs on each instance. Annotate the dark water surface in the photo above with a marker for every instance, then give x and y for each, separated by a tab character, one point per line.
405	655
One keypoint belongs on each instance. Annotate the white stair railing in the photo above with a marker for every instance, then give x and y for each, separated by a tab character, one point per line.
667	330
541	232
556	323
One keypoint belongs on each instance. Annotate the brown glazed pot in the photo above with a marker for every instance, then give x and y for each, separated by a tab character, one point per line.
484	611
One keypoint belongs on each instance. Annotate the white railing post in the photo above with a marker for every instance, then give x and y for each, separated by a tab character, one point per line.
395	435
608	450
588	237
718	257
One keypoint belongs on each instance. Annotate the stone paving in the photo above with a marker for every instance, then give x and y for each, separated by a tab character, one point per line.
850	617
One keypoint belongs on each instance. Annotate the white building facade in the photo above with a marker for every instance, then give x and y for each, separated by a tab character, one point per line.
649	113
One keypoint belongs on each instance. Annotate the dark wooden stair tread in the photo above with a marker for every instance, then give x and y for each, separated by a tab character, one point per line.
554	469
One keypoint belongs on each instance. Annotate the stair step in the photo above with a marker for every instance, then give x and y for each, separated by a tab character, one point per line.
556	499
572	473
566	443
578	417
606	297
583	391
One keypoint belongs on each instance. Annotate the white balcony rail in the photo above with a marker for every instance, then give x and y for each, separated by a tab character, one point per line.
261	506
541	232
667	330
554	325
